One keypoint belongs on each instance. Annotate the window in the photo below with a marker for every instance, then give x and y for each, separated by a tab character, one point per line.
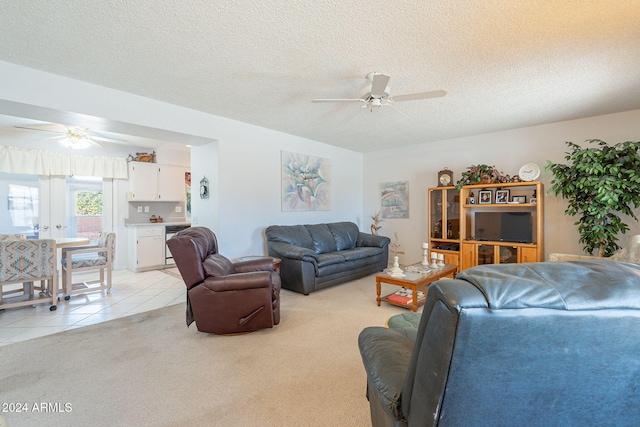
21	195
85	213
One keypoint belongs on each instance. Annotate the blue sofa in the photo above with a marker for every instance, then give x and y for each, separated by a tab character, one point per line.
317	256
535	344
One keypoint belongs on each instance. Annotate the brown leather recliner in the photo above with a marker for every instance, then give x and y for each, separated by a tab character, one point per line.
225	297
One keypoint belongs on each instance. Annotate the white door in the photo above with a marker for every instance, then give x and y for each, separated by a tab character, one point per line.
22	214
54	206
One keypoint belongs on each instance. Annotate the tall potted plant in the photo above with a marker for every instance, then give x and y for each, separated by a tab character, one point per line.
599	183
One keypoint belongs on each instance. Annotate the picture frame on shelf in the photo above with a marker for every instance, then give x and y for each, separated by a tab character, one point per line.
484	197
502	196
519	199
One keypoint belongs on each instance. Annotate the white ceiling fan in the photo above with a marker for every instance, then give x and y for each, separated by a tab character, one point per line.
74	137
377	94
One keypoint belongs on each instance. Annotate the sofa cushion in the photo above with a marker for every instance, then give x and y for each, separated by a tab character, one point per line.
360	253
322	238
296	235
218	265
329	259
345	234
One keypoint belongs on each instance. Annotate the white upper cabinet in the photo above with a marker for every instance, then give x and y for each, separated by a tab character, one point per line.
171	185
156	182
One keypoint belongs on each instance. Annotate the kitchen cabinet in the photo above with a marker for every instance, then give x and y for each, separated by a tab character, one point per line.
146	248
156	182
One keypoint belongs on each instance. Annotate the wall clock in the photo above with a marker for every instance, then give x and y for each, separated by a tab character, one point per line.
529	172
445	177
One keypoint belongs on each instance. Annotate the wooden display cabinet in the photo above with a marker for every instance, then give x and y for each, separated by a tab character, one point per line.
479	252
444	223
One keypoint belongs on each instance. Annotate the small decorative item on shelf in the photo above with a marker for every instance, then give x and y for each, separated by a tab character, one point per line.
502	196
485	197
143	157
472	198
440	260
445	177
153	218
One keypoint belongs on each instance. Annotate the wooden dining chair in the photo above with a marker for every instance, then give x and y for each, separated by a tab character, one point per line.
25	261
18	288
86	259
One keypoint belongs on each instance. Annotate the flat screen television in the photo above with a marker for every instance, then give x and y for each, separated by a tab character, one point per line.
504	226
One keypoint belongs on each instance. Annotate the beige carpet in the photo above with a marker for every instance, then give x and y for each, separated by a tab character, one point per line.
150	370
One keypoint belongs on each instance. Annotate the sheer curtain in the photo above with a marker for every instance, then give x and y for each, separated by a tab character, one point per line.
43	162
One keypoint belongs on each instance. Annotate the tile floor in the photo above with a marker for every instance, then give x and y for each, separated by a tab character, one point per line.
131	293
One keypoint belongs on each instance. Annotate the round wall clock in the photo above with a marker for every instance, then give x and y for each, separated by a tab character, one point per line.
529	172
445	177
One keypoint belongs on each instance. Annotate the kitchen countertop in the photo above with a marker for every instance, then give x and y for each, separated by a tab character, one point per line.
151	224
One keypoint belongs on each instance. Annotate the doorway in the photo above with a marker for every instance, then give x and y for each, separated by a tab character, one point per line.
55	206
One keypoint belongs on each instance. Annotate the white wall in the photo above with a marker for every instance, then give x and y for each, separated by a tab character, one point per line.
507	150
246	190
242	162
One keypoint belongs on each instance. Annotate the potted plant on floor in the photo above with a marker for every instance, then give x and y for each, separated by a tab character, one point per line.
599	183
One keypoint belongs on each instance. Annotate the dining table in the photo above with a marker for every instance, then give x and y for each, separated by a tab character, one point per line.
65	242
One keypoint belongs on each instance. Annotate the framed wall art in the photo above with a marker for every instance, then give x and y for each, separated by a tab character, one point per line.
394	199
306	182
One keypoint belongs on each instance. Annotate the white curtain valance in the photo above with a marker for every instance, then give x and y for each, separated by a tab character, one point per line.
42	162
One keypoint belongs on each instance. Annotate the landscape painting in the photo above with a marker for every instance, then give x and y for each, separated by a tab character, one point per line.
394	199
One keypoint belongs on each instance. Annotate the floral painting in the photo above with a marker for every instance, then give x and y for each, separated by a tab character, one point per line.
394	199
306	183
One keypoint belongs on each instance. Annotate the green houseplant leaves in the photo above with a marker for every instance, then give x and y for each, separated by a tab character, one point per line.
599	184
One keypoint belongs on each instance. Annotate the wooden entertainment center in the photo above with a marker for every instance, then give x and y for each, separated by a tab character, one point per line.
452	216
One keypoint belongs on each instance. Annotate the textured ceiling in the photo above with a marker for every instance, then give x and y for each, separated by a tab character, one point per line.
504	63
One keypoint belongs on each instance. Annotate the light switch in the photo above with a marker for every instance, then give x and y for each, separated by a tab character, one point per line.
139	209
146	209
178	209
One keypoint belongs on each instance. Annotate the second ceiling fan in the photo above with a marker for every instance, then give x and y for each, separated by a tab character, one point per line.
377	94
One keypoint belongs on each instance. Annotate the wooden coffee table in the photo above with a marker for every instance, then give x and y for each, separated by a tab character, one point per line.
413	281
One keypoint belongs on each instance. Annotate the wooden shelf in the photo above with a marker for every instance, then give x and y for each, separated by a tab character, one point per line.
403	305
450	212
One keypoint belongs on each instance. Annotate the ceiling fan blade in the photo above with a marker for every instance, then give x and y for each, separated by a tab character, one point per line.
378	85
45	128
339	100
97	139
395	108
418	95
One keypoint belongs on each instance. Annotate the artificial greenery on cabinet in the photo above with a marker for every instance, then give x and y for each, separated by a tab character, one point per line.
599	183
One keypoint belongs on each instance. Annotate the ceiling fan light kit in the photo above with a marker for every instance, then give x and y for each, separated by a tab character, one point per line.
77	139
377	94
